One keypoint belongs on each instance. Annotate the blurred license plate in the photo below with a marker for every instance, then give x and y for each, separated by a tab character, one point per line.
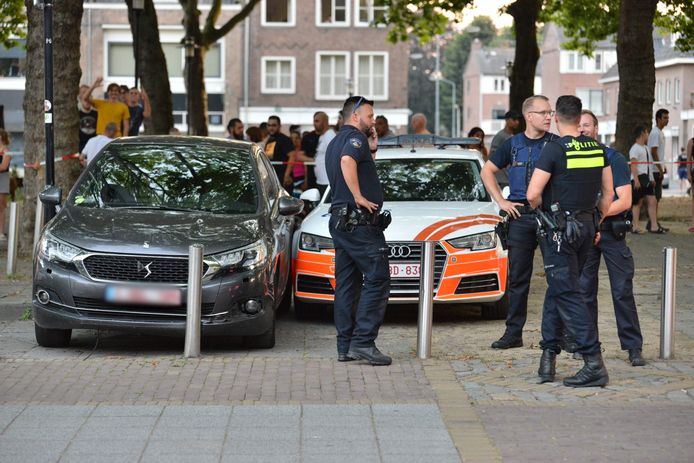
146	296
404	270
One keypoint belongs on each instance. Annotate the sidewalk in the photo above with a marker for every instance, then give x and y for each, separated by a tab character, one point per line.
119	397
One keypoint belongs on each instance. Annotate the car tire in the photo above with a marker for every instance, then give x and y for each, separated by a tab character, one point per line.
265	340
286	302
47	337
496	310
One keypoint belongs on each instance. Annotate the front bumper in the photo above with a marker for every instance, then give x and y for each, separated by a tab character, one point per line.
78	302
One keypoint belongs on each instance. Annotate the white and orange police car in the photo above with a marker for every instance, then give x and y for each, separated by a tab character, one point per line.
434	192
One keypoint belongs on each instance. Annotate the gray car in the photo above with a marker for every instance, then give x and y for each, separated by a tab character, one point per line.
116	254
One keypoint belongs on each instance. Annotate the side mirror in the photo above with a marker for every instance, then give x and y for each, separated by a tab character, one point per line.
290	206
506	191
312	195
51	196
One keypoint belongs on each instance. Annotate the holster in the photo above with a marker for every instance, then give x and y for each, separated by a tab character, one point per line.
501	229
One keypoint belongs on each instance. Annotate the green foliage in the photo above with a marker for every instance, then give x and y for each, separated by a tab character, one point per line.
27	315
588	21
13	22
423	19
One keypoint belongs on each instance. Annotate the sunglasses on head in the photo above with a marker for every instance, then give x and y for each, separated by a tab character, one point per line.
359	102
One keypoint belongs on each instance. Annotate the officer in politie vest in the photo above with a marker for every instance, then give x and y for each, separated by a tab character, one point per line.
519	153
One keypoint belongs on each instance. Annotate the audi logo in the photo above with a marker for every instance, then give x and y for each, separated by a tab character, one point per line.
399	251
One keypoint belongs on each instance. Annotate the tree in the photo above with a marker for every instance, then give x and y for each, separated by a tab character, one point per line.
152	66
12	21
203	39
632	22
67	18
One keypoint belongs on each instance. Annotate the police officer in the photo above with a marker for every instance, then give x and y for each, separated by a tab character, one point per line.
520	153
567	179
356	226
613	247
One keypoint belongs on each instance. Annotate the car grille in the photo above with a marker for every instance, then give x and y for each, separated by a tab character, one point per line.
408	287
101	306
477	284
138	268
313	284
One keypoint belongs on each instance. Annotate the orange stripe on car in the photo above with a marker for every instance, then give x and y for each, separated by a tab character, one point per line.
427	233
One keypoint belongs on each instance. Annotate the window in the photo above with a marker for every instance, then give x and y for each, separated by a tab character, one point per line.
277	74
372	75
677	91
598	61
278	12
13	60
668	91
369	11
591	99
332	71
332	13
499	85
659	91
498	113
467	87
121	62
575	62
608	103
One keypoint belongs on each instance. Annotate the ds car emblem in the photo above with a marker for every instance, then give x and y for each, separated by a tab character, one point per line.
141	267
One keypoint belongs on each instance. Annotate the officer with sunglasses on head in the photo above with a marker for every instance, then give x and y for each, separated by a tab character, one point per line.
356	226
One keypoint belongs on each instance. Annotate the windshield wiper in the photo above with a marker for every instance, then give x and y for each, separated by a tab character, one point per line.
158	207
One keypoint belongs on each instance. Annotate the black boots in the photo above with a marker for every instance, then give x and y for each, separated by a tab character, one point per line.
547	369
636	358
508	341
593	373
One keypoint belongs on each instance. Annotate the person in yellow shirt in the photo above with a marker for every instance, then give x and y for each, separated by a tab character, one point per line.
111	110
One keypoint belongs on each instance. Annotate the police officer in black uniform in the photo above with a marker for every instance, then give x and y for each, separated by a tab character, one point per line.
520	153
356	226
613	247
567	179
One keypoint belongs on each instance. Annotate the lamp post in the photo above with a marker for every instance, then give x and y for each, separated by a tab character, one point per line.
189	44
138	6
436	76
437	71
350	87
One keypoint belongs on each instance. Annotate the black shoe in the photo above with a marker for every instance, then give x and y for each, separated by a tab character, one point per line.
547	369
370	354
342	357
636	358
592	374
507	342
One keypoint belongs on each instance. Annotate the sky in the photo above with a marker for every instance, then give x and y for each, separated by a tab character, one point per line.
488	8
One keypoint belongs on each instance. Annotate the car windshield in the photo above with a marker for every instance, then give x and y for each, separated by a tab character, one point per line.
431	180
172	177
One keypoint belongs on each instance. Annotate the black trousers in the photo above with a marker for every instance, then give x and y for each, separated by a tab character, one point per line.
564	303
522	242
362	284
620	269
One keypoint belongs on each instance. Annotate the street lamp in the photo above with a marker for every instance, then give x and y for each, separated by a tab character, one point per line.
138	6
350	86
436	77
508	69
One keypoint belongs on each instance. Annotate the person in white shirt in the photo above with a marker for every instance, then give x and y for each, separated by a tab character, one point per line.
95	144
656	147
644	182
325	136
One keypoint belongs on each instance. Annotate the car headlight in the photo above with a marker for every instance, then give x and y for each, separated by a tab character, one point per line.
247	257
56	250
315	243
477	242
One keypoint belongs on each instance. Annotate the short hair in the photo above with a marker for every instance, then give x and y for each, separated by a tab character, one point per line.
123	88
638	130
592	116
569	108
277	118
232	123
110	86
134	88
320	113
263	125
528	103
353	103
660	113
381	117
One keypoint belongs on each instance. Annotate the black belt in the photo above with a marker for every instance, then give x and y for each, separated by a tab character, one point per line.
525	209
585	216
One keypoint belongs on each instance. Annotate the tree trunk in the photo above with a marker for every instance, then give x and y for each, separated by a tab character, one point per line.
636	64
525	14
195	83
152	68
67	18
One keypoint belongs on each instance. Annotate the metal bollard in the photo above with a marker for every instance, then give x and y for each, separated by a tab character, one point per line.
667	314
12	239
38	221
426	301
194	300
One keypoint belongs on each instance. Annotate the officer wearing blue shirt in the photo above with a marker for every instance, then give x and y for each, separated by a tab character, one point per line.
520	153
362	277
618	258
570	174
